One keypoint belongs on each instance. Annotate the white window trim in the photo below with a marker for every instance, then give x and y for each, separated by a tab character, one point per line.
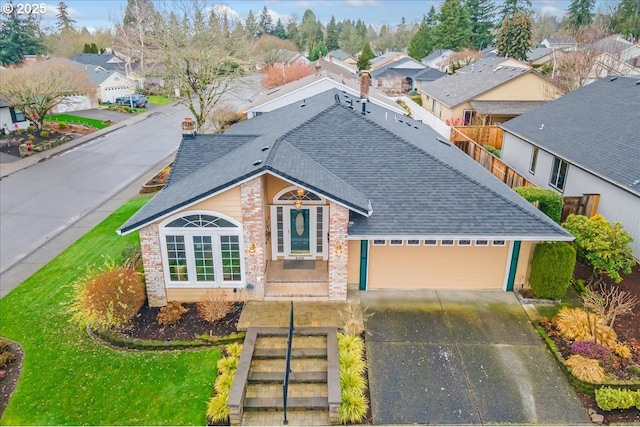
413	244
435	242
396	242
376	242
564	179
188	233
464	244
442	242
493	243
313	235
484	245
533	162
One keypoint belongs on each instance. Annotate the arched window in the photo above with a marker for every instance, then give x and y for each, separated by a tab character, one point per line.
291	194
202	249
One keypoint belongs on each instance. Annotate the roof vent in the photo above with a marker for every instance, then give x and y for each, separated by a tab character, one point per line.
613	78
444	141
256	163
637	82
415	127
337	98
304	103
265	148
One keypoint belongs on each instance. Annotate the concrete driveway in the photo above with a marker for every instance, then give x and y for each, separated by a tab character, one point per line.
456	357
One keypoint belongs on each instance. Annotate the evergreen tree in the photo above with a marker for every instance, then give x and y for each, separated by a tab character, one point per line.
422	42
136	9
309	30
454	28
293	33
65	23
579	14
94	48
86	48
19	36
319	48
279	30
482	14
364	60
514	36
626	18
265	24
512	7
332	35
432	17
251	25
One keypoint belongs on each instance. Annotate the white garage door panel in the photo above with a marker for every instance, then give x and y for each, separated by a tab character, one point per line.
110	94
74	103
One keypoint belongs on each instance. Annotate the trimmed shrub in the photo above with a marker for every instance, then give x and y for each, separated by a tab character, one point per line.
6	358
493	150
131	256
108	297
171	313
585	369
551	269
44	134
609	398
549	201
217	408
31	138
62	125
417	99
214	305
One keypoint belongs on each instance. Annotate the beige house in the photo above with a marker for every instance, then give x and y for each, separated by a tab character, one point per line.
492	93
309	199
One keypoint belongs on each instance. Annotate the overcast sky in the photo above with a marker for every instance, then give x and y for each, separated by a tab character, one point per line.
102	14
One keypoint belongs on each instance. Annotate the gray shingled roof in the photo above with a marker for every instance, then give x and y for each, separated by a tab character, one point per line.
505	107
100	59
437	53
428	75
596	127
339	54
457	88
98	76
395	174
538	53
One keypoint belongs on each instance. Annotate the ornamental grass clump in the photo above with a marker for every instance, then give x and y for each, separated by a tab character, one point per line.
107	297
217	409
354	318
585	369
214	305
354	404
577	324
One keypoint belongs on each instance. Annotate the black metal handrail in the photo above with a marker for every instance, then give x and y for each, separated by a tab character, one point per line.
287	369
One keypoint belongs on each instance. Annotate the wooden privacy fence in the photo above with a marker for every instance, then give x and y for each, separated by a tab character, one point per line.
483	135
586	204
488	160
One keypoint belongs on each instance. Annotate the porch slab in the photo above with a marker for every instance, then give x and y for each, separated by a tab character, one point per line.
276	273
275	314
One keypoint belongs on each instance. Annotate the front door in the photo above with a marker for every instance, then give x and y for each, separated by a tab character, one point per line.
299	231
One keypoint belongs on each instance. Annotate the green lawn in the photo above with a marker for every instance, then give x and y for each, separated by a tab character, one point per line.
159	99
68	118
68	379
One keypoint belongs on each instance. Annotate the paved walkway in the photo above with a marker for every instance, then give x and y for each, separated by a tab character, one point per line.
455	357
275	314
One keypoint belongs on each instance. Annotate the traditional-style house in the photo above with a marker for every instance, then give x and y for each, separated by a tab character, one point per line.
397	77
438	59
305	200
585	142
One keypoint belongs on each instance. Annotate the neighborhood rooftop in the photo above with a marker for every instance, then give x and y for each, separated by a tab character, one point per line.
396	175
565	127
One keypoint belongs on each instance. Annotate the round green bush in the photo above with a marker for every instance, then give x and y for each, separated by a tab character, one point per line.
551	269
31	138
549	201
44	134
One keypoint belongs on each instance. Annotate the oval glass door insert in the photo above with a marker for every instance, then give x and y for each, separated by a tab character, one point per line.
300	224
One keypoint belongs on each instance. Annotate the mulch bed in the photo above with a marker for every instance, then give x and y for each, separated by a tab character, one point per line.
10	377
628	329
145	326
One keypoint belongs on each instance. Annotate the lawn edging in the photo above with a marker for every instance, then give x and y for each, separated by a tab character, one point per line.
583	386
130	343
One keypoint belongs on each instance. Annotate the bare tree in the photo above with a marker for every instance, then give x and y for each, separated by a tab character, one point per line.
463	58
131	37
609	303
36	89
196	58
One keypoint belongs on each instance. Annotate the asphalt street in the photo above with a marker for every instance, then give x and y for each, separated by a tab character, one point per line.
39	202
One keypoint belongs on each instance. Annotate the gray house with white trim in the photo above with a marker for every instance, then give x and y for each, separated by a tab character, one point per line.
585	142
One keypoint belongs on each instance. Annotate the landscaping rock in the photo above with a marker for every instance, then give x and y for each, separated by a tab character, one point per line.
597	418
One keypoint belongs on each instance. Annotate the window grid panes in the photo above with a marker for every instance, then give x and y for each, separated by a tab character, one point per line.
498	243
293	195
203	257
177	258
395	242
412	242
482	242
280	229
464	242
230	250
430	242
558	173
447	243
200	221
379	242
319	229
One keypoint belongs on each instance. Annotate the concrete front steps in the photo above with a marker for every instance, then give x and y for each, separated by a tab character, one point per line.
256	397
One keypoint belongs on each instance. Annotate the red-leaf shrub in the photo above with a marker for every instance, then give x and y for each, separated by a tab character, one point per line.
278	75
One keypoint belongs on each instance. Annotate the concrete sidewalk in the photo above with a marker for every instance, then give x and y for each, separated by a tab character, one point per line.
456	357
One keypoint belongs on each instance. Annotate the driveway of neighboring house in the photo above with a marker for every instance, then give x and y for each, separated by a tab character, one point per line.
456	357
103	114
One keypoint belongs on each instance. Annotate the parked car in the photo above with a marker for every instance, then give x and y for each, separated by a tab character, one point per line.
136	100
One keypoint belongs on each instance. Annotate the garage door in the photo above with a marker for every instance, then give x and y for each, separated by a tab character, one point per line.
111	93
74	103
437	267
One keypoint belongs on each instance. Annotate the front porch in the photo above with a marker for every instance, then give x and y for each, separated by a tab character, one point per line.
297	280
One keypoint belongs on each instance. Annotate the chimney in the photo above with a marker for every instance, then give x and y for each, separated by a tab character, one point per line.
634	61
365	82
188	128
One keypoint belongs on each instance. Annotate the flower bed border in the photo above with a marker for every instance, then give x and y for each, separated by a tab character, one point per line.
131	343
583	386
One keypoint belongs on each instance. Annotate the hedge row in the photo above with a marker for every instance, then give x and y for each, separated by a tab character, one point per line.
549	201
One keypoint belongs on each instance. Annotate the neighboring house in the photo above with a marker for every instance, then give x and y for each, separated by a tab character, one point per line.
540	56
110	62
342	56
356	198
609	65
489	52
566	43
13	118
620	48
284	57
438	59
426	76
493	93
386	58
397	77
306	87
585	142
110	84
335	66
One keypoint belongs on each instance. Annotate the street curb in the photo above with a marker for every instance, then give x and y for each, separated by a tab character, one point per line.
7	169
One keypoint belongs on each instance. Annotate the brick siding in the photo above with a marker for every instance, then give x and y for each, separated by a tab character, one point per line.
253	218
152	261
338	223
